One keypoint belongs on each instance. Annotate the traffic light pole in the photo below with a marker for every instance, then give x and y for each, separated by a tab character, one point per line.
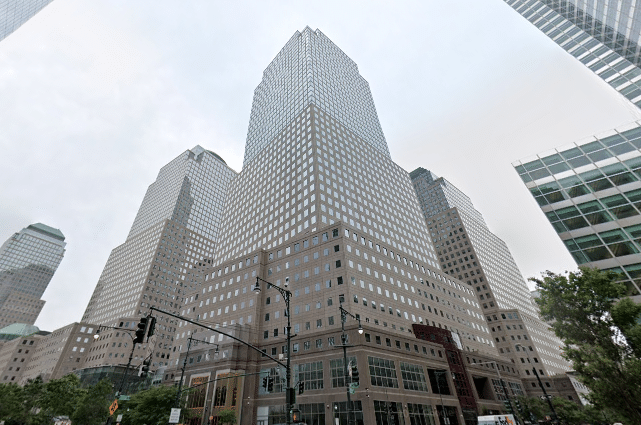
344	314
555	417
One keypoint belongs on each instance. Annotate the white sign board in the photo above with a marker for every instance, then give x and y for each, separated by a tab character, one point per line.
119	418
174	417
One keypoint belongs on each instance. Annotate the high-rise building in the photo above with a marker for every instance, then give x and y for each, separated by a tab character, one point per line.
14	13
590	191
604	35
469	251
28	260
174	234
320	208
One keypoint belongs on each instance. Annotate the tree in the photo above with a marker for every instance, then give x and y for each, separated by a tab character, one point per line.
602	335
151	406
227	416
60	396
93	407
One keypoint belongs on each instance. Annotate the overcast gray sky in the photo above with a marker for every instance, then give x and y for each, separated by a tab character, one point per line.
96	96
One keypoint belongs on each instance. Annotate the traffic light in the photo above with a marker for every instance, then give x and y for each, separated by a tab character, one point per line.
265	379
270	384
517	403
140	331
301	387
151	329
355	377
144	368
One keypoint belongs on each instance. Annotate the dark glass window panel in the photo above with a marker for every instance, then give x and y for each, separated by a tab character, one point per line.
571	245
591	147
549	187
520	169
633	195
567	212
588	176
623	248
636	142
634	231
633	163
634	270
541	200
631	92
551	215
577	191
613	201
533	165
588	207
571	153
554	197
588	241
575	223
526	178
607	73
570	181
558	168
622	148
613	169
613	140
579	257
538	174
600	155
552	159
600	185
578	162
559	227
624	178
596	254
612	236
598	217
635	133
624	211
535	191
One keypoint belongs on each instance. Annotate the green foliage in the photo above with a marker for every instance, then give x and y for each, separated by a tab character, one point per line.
151	406
227	416
92	407
602	335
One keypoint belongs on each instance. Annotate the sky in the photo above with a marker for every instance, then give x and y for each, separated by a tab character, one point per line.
95	97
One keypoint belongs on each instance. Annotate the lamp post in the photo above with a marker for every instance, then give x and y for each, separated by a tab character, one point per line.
438	373
498	371
555	417
289	398
131	355
182	370
344	314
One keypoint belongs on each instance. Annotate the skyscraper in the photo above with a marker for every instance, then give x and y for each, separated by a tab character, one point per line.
603	35
14	13
28	260
173	235
469	251
590	191
321	209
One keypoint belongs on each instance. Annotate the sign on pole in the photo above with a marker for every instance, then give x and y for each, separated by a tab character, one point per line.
119	418
174	417
113	407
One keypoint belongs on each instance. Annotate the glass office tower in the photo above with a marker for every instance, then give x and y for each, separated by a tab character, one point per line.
590	192
28	260
603	35
14	13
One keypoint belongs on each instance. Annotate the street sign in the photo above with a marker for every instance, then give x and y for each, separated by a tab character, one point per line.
113	407
174	417
124	397
119	418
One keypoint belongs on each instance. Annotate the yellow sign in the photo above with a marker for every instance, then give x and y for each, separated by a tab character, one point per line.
113	407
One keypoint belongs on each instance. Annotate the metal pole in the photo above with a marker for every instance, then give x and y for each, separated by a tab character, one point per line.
555	417
182	374
438	385
350	420
124	376
290	391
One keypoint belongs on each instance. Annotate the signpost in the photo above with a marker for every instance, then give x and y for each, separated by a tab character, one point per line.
174	417
113	407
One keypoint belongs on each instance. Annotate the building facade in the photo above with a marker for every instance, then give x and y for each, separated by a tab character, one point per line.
14	13
321	208
590	193
174	235
469	251
28	260
603	35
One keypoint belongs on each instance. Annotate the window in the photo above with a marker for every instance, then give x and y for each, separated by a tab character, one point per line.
382	372
413	377
337	371
311	374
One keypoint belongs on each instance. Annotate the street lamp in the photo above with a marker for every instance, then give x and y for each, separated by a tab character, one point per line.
555	417
131	355
507	395
344	314
446	420
289	398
